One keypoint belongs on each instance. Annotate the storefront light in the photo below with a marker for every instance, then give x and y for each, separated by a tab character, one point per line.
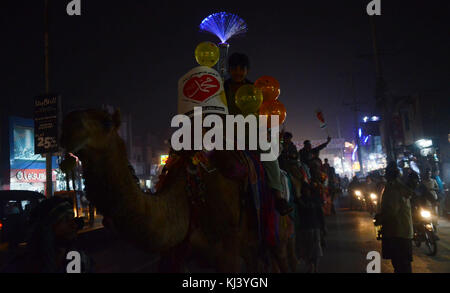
163	159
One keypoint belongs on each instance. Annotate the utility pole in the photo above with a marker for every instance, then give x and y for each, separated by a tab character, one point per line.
342	147
382	101
354	106
48	156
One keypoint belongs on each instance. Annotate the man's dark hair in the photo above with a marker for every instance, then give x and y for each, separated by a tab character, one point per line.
238	59
287	135
413	176
392	171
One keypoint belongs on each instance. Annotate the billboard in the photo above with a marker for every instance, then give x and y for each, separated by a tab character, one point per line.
46	124
22	145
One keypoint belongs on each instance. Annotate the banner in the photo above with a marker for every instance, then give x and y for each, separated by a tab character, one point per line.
46	124
201	87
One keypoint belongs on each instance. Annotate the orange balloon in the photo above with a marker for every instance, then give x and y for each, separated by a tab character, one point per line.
273	108
269	86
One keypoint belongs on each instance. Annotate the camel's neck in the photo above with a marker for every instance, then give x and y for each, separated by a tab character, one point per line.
109	171
155	222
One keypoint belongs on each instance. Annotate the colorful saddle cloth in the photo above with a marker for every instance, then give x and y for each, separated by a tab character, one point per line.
264	202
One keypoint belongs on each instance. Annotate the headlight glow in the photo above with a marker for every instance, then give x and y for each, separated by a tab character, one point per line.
425	214
373	196
358	193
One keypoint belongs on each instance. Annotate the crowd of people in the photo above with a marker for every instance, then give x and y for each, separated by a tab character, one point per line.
316	185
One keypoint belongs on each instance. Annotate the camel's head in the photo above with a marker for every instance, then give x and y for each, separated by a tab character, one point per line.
93	130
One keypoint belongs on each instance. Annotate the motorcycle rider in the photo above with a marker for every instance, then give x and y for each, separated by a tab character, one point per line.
354	185
417	199
430	191
369	188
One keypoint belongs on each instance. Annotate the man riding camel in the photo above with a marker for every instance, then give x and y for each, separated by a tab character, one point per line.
238	65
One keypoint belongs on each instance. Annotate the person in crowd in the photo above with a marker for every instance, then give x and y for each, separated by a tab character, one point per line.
319	181
307	153
288	161
396	220
239	65
53	234
332	184
441	193
311	229
345	183
289	153
432	190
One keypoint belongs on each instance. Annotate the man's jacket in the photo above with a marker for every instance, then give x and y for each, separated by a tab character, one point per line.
396	211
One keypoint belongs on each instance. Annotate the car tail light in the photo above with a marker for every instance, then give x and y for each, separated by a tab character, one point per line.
1	225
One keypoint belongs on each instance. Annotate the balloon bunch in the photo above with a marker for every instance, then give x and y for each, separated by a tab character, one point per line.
261	98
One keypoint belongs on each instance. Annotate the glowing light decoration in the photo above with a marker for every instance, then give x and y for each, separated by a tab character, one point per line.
354	153
366	139
360	132
163	159
224	25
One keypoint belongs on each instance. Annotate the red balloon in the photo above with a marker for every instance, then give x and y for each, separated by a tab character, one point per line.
273	108
269	86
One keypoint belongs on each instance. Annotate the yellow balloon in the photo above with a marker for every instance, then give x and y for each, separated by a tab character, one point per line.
207	54
248	99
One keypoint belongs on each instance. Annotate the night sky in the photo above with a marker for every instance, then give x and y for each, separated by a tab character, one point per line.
131	54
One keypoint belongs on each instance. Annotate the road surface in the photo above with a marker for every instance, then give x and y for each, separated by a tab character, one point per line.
351	235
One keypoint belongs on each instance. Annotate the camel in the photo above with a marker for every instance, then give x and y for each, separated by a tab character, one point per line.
225	232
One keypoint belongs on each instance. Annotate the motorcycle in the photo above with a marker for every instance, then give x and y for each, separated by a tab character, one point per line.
425	230
360	201
373	203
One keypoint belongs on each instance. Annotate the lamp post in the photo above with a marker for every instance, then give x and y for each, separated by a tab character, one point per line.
222	64
48	156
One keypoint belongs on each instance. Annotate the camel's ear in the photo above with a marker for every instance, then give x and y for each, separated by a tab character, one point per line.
116	117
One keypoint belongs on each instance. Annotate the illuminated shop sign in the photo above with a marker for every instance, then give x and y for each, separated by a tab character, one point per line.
30	176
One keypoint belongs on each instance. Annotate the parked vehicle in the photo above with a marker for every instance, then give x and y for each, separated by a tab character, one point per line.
15	207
